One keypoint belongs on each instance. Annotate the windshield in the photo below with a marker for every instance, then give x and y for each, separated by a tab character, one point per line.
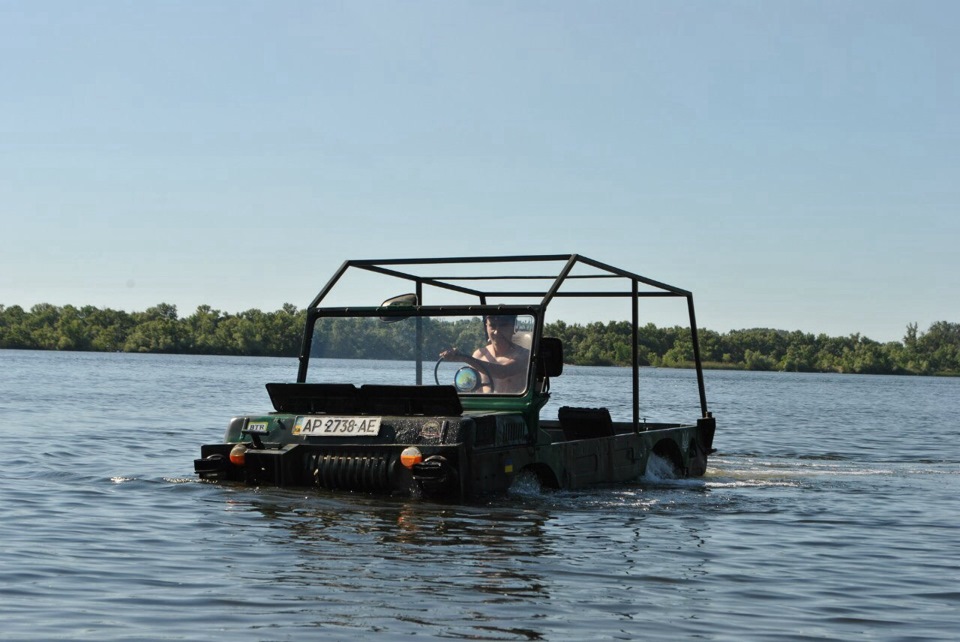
478	355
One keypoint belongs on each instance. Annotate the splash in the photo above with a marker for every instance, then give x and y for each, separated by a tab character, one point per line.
526	484
659	470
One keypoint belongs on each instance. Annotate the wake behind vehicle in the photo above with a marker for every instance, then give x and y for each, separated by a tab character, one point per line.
394	398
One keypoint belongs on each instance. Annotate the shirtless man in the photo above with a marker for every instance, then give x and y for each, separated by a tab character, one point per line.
501	358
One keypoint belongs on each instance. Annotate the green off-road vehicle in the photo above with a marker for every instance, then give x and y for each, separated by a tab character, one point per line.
441	391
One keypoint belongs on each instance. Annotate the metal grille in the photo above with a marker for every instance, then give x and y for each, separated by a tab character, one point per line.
351	472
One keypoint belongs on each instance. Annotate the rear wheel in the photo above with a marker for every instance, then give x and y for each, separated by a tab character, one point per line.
534	479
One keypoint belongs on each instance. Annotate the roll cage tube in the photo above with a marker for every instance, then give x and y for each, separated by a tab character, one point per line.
469	277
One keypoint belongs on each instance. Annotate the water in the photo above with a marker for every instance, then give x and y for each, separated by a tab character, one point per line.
829	512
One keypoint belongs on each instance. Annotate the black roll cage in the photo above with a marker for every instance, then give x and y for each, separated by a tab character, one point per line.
535	302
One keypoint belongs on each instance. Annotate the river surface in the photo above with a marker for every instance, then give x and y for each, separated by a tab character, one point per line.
830	511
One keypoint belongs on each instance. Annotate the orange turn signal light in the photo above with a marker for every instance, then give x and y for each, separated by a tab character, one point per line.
411	456
238	455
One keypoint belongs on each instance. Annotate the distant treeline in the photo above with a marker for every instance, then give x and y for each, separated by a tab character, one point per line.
255	333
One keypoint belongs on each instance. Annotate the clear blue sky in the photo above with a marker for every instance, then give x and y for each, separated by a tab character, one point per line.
795	164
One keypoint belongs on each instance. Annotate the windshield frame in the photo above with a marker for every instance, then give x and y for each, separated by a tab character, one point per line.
422	357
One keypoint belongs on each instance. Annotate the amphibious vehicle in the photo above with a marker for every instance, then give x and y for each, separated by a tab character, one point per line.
392	398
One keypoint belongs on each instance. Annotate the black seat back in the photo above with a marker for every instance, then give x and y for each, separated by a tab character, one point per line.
585	423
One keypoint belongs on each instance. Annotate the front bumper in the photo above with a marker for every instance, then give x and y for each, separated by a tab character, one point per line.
359	468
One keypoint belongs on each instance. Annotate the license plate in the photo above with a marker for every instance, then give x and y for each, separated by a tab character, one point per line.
337	426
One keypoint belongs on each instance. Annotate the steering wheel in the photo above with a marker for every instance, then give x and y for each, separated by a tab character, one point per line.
467	378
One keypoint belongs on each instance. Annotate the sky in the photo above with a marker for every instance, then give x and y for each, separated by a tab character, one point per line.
796	165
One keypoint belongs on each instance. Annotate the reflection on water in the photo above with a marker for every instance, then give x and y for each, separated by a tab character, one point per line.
510	568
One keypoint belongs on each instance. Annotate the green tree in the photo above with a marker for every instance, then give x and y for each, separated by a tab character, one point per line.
681	354
71	330
14	332
940	347
108	329
157	330
756	360
42	326
201	330
284	331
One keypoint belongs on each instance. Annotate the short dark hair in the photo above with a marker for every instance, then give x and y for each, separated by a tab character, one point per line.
500	319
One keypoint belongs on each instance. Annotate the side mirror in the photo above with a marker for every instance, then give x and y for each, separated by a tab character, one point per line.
550	363
401	301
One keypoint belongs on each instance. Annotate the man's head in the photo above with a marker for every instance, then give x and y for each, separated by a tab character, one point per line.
500	324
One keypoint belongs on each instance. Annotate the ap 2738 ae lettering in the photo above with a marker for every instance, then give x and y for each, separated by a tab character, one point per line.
337	426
